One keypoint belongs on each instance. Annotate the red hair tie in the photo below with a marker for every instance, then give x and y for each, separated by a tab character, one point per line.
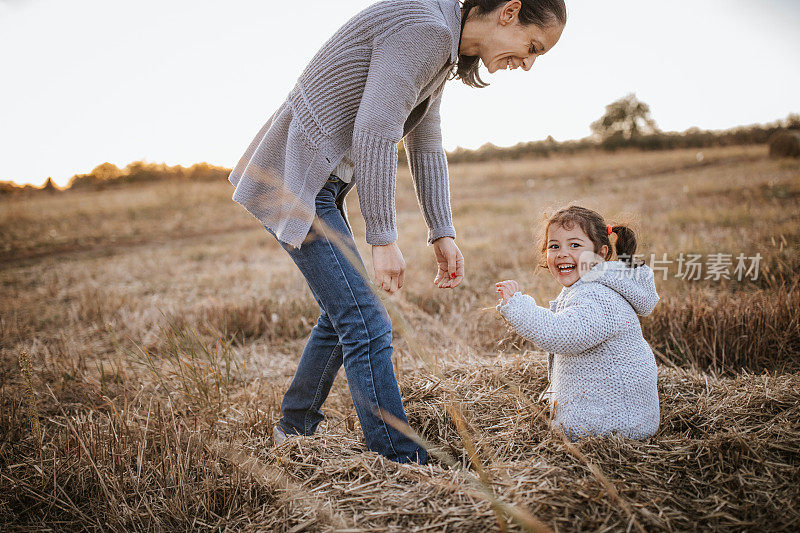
610	229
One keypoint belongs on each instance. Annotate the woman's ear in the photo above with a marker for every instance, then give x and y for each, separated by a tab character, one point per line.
604	251
510	11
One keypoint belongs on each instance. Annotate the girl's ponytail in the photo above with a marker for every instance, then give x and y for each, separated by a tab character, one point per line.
625	245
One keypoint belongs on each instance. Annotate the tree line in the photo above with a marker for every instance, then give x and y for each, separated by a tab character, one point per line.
626	124
108	174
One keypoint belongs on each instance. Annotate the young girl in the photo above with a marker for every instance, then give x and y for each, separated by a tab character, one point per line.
602	372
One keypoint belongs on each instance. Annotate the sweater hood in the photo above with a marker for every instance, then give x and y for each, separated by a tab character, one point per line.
636	285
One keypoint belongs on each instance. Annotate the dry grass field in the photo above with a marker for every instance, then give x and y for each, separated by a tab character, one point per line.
147	333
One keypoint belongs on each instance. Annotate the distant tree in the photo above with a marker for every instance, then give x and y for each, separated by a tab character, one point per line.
201	172
625	118
50	186
106	171
140	171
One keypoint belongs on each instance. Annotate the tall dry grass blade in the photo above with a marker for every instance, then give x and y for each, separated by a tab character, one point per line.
398	319
610	489
112	501
538	412
274	478
472	451
573	450
523	518
32	410
26	367
526	520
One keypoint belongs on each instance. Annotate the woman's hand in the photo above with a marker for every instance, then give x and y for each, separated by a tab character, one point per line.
450	263
507	289
389	266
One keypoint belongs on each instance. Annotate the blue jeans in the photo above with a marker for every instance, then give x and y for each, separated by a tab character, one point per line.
353	329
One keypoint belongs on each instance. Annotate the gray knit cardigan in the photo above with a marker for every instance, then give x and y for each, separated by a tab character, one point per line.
378	80
602	371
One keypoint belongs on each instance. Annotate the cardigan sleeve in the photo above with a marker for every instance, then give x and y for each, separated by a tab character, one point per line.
587	321
428	164
402	63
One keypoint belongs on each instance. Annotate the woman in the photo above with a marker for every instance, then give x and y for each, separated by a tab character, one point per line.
378	80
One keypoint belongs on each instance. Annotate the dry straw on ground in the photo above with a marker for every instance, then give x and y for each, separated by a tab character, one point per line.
162	327
727	457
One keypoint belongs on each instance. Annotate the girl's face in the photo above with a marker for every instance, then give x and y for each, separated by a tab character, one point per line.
508	44
570	253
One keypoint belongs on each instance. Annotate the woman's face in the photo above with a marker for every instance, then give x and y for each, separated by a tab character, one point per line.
507	44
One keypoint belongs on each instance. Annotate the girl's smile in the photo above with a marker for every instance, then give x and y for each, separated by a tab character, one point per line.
570	253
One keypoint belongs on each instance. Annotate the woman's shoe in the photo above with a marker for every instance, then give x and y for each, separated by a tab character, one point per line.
278	435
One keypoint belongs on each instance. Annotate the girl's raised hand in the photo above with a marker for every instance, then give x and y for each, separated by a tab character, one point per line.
506	289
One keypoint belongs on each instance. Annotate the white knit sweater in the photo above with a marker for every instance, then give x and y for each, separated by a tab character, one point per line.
602	371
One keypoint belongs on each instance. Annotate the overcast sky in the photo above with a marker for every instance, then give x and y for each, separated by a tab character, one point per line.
184	81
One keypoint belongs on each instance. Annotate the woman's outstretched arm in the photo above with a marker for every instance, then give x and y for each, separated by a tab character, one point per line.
428	164
402	63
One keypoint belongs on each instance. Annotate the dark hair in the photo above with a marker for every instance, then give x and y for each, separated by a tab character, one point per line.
593	225
543	13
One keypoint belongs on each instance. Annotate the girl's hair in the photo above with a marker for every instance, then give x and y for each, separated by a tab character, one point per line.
593	225
543	13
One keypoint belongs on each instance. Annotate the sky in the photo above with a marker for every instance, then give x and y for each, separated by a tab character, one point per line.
184	81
